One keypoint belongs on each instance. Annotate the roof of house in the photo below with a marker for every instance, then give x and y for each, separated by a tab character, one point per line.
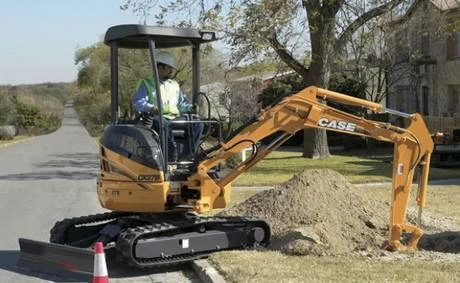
264	76
443	5
216	87
446	4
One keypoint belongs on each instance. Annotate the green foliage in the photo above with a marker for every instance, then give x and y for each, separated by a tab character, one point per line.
93	110
349	86
233	161
7	109
94	67
279	88
34	109
39	118
27	115
94	79
33	121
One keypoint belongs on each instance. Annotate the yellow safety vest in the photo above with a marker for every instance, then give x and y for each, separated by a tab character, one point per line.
170	93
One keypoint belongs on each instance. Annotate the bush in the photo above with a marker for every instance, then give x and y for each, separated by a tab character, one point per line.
8	132
33	121
93	110
233	161
7	109
34	109
349	86
280	88
27	115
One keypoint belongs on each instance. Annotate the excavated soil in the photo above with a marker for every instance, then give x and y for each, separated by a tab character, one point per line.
318	212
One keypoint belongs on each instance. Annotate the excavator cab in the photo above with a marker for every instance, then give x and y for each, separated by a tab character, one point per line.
128	137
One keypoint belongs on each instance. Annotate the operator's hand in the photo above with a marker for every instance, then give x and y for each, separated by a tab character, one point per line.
194	108
154	110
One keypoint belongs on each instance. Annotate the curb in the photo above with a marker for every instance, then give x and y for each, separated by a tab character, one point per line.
206	272
14	142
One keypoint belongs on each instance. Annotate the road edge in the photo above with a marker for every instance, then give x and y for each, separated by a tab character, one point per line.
11	142
206	272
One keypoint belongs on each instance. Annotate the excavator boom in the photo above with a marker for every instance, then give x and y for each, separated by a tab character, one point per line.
412	149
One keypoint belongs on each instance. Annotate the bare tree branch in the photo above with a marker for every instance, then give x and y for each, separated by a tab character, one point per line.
286	56
348	32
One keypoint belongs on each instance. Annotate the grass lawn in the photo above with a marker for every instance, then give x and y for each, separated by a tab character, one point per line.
280	166
268	266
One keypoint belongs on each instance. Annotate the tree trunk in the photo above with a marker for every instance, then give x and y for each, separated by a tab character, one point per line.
315	144
322	28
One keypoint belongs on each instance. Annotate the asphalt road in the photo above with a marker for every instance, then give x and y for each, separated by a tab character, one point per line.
46	179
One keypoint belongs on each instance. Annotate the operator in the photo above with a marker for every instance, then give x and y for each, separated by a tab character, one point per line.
174	105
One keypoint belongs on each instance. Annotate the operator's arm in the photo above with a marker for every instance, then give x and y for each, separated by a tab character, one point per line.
183	104
141	99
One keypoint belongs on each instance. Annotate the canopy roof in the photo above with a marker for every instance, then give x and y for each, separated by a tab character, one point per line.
137	36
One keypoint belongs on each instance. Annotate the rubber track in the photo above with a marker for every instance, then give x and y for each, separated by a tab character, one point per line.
128	238
58	233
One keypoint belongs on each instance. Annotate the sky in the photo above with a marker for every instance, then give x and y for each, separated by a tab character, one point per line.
39	38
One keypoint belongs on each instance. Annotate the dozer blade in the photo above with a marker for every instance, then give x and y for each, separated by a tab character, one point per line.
55	259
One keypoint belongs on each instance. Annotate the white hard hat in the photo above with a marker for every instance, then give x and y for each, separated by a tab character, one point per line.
164	57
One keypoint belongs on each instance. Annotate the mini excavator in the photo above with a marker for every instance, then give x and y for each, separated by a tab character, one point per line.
157	210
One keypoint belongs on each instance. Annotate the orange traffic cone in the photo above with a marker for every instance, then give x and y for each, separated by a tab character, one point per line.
100	267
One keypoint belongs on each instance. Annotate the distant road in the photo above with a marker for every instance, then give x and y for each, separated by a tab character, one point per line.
46	179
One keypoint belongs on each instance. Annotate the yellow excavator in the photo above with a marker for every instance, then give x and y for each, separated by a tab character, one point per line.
156	210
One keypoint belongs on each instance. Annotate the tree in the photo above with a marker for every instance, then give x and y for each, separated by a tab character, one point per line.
307	35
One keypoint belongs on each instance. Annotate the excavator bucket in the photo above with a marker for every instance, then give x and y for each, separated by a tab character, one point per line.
50	258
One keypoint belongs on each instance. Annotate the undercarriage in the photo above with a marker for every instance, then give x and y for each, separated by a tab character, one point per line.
145	240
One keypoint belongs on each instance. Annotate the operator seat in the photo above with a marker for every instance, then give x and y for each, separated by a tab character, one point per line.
182	132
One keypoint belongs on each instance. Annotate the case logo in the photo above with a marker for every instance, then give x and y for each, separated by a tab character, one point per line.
335	124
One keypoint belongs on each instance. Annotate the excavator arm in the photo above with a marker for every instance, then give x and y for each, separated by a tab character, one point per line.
274	125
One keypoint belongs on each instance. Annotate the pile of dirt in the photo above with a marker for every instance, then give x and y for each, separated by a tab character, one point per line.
318	212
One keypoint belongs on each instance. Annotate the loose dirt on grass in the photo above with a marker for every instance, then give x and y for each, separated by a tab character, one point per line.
318	212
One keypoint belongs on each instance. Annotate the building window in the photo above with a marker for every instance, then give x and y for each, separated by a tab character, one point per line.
453	46
402	98
401	47
425	100
453	94
425	42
